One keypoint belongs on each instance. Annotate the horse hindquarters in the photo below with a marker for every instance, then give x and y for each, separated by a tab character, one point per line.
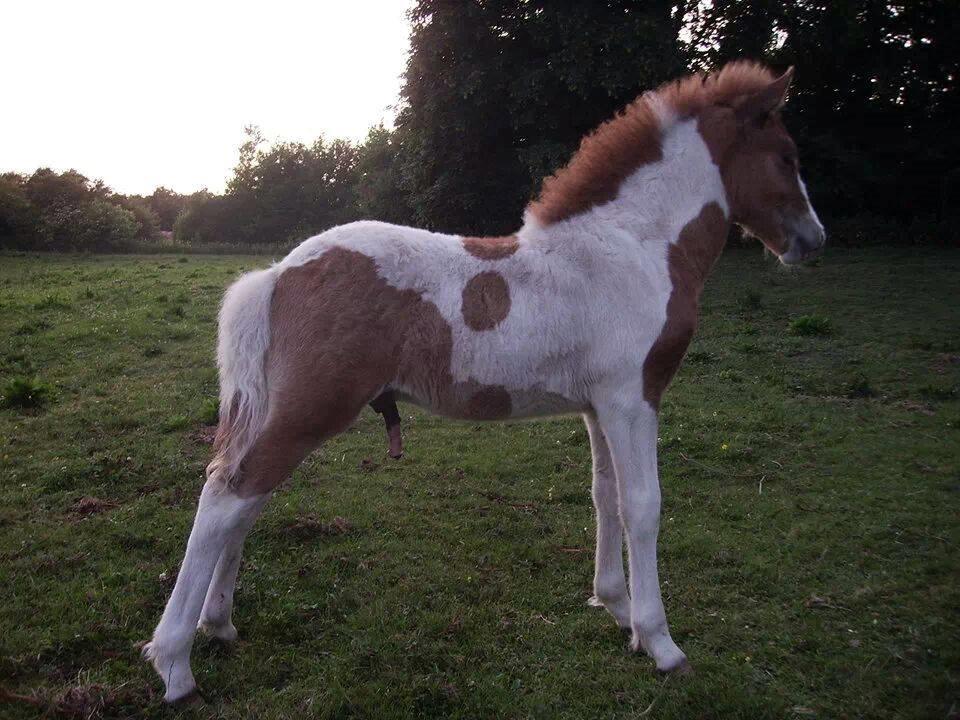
285	397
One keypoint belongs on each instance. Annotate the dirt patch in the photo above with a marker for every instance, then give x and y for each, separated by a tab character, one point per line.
89	505
918	407
204	434
944	362
306	527
87	701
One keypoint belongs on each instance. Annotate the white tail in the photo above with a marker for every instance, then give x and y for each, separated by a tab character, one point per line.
244	338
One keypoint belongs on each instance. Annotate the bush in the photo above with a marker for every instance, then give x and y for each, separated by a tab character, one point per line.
146	219
23	392
18	218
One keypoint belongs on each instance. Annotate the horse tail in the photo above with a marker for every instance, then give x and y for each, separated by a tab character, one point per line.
244	337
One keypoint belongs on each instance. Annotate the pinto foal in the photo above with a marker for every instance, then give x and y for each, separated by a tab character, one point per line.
587	309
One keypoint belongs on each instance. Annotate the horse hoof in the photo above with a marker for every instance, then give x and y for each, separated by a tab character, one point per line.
224	633
681	669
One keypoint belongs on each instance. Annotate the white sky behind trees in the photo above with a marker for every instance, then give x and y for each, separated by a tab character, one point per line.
142	94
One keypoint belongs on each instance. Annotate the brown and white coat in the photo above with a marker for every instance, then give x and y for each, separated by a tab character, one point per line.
588	308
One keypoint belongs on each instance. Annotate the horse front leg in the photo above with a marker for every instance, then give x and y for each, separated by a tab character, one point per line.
630	426
609	581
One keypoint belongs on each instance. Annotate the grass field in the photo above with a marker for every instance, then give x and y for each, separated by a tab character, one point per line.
810	459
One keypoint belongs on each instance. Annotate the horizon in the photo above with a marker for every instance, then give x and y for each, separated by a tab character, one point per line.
175	117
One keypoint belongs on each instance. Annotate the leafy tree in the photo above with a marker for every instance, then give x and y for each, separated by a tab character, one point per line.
146	218
18	217
498	93
167	205
380	184
875	95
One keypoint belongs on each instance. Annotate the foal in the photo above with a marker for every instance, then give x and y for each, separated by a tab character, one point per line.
587	309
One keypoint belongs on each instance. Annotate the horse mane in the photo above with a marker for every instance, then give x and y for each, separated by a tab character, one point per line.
612	152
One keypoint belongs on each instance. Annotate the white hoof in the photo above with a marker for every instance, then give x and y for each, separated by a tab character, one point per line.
224	632
174	671
620	611
665	653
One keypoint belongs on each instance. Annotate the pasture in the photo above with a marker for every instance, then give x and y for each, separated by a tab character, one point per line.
810	461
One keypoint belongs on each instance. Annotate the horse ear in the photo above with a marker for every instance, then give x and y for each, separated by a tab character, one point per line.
759	105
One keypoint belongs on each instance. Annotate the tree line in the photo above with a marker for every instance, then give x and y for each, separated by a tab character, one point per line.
498	93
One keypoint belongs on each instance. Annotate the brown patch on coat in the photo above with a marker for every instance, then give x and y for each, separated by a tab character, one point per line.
340	333
490	401
689	260
615	150
491	248
486	301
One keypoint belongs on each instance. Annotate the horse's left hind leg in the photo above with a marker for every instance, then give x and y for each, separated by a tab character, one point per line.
222	516
609	581
216	618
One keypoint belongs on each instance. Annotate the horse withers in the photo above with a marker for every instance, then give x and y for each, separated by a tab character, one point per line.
588	308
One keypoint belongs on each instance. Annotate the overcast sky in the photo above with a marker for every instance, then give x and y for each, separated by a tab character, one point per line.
142	94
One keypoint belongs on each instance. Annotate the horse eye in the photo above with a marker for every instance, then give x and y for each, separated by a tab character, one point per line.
789	160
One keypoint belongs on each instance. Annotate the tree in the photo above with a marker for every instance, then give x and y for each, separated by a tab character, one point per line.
874	99
380	185
167	205
498	93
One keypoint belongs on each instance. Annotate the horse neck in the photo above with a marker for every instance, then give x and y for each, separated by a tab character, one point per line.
677	201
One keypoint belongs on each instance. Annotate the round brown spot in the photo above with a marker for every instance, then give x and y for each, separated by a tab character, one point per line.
486	301
491	402
491	248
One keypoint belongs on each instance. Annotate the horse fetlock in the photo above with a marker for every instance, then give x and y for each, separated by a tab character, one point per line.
617	604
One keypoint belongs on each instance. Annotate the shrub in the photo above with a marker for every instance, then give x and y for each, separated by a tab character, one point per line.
810	325
24	392
97	225
144	216
18	218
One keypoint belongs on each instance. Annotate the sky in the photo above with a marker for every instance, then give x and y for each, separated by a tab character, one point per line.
141	94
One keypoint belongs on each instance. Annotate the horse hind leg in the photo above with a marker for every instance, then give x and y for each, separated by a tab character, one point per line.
221	516
203	594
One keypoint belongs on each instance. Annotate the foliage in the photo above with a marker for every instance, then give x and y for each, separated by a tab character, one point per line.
167	205
278	194
66	211
810	325
210	411
807	544
875	97
497	94
24	393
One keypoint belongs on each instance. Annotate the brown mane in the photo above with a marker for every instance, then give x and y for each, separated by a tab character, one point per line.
609	154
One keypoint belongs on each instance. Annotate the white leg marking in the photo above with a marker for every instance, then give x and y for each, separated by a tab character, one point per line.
220	515
216	618
630	427
609	581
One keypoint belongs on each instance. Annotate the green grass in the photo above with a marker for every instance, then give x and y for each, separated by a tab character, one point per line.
809	538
